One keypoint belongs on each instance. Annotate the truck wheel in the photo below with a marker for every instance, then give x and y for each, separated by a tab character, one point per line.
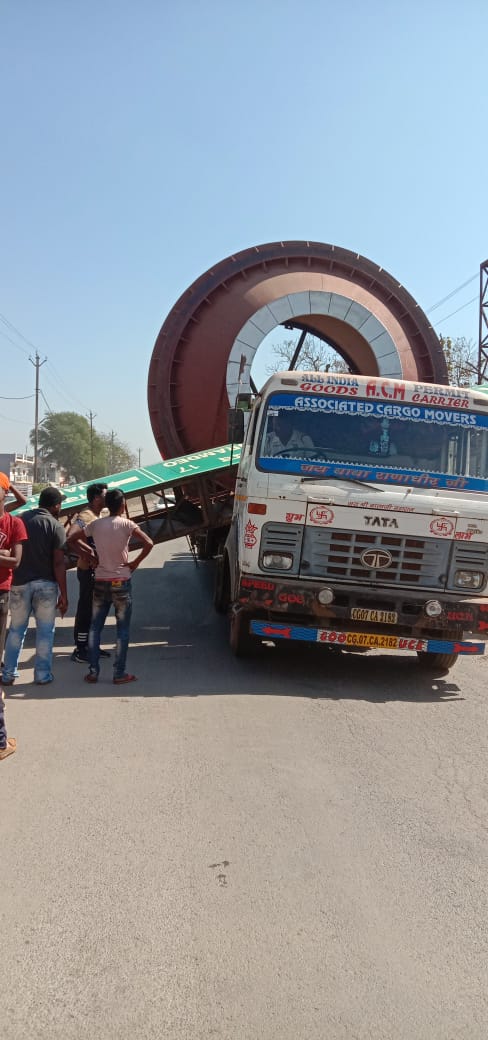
221	597
241	642
436	662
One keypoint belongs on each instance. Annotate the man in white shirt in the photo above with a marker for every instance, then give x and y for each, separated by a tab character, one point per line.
111	536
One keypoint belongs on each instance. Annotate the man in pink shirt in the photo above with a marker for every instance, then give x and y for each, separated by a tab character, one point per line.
111	535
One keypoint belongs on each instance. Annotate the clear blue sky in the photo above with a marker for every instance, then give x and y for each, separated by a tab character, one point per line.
142	142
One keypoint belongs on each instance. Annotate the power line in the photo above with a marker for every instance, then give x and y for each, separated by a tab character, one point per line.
64	389
12	341
456	311
451	294
17	331
46	402
17	398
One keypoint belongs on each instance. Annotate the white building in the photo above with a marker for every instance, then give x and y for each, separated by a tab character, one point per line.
20	468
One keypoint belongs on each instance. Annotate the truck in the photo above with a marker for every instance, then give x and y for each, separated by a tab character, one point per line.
360	517
350	509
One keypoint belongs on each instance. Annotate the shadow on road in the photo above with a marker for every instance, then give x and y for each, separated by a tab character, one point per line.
179	648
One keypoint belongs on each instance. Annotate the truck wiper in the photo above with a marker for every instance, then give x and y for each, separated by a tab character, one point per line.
344	480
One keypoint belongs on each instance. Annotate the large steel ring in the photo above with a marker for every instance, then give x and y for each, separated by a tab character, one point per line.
204	351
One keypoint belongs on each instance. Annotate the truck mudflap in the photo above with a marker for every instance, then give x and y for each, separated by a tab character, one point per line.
367	640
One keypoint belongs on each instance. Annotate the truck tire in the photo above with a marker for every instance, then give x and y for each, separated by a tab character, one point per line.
241	642
436	662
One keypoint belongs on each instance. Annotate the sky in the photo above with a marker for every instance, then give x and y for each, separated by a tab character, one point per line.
145	141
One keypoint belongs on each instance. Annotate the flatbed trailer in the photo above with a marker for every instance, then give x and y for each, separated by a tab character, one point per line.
188	496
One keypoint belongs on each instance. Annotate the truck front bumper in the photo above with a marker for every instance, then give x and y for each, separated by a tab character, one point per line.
296	602
343	640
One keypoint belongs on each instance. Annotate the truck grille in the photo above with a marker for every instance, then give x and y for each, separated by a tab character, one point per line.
336	555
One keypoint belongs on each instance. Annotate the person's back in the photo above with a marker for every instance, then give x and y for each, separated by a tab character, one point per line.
45	534
38	588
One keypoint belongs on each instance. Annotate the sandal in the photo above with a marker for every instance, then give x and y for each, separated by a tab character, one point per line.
125	678
9	749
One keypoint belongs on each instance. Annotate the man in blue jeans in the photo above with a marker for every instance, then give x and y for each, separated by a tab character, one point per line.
111	535
38	588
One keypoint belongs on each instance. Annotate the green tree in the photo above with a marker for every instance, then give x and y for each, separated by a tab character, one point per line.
82	453
315	356
66	439
118	455
461	358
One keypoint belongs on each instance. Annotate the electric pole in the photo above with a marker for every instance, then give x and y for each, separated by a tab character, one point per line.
139	454
112	438
91	416
483	340
37	365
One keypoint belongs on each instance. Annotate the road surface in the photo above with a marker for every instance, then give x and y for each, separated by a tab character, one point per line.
289	847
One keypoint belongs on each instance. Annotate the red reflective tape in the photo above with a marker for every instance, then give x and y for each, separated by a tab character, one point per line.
269	630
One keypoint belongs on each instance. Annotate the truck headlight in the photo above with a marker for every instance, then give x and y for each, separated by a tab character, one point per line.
325	596
433	608
277	561
469	579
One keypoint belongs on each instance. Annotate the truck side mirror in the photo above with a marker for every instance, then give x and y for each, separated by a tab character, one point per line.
235	426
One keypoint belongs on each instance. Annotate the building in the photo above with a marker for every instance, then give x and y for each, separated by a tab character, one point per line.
20	468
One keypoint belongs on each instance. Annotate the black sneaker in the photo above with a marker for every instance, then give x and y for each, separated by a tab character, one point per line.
80	656
104	653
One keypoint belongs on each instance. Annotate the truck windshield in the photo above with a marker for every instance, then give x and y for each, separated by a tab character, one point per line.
398	443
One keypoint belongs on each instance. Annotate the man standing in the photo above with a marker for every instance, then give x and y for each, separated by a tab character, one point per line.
12	535
38	587
111	535
85	573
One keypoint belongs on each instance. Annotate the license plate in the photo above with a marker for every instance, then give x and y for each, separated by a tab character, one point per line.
386	617
370	640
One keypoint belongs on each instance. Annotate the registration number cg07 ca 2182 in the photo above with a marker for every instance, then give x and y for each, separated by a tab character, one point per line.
385	617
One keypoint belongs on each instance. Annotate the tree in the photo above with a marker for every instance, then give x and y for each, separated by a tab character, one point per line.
82	453
461	358
315	356
118	455
66	438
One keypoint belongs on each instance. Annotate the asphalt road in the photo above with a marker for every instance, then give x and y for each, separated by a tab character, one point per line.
289	847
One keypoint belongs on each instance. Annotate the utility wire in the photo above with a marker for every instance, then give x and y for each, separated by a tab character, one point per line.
12	341
17	331
46	402
64	389
456	311
451	294
17	398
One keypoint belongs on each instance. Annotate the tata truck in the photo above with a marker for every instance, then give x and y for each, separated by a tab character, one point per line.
360	518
